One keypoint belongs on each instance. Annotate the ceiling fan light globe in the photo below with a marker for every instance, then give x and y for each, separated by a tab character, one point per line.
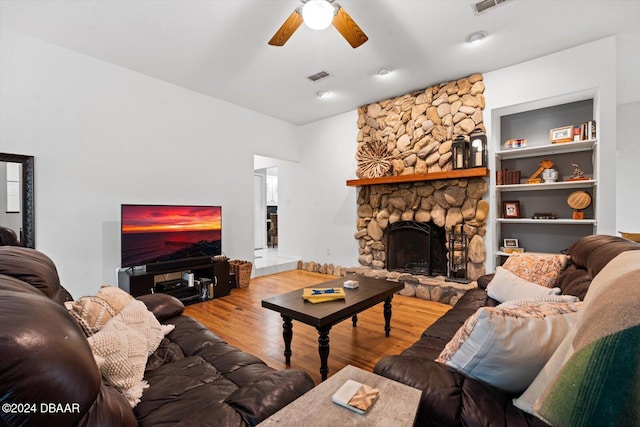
317	14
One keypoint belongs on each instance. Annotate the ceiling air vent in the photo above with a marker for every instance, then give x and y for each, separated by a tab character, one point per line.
318	76
485	5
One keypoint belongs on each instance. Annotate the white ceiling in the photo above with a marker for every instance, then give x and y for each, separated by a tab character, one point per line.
219	47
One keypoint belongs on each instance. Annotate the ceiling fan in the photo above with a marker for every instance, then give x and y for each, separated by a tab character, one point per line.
318	15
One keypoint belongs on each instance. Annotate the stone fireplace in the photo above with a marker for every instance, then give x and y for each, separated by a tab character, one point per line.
416	248
448	203
438	205
409	197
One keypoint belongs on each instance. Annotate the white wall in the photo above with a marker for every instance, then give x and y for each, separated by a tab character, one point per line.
103	135
628	155
323	212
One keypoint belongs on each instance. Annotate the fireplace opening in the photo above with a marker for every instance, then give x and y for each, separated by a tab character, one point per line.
417	248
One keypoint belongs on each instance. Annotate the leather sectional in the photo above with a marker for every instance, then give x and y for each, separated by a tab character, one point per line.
449	398
49	375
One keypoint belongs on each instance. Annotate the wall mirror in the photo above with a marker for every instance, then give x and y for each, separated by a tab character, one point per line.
17	198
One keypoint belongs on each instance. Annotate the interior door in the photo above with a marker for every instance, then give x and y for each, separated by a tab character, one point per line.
259	212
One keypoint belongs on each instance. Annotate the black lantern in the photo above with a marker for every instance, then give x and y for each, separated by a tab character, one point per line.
478	150
460	150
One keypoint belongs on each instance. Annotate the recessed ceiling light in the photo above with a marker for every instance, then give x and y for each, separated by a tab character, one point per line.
384	71
323	94
476	37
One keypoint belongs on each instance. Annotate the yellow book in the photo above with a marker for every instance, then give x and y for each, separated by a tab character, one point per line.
316	295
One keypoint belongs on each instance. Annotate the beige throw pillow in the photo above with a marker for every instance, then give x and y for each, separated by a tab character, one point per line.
495	344
93	312
122	346
506	286
542	269
136	316
121	355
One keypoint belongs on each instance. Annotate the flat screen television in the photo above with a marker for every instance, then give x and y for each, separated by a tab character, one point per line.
162	233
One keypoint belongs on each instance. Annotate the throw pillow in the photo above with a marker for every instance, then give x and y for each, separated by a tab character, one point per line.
114	296
495	344
121	355
506	286
122	346
603	348
542	269
136	316
540	299
93	312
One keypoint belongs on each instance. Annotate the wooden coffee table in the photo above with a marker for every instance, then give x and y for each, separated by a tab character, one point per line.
326	314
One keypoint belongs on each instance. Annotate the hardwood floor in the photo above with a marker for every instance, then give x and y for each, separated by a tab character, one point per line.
241	321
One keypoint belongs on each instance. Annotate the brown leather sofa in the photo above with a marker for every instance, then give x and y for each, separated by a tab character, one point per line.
48	375
449	398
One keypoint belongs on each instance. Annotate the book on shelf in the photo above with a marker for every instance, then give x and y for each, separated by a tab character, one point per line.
588	130
508	177
356	396
316	295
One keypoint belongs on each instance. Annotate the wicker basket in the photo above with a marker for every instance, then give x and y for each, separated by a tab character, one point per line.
242	270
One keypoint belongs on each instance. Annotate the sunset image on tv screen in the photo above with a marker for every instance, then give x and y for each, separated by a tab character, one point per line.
157	233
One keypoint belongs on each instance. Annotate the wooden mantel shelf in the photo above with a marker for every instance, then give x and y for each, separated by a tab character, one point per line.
399	179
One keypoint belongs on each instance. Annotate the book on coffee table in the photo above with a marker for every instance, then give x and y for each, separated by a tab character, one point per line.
316	295
356	396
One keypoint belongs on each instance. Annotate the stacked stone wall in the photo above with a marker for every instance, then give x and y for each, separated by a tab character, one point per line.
413	133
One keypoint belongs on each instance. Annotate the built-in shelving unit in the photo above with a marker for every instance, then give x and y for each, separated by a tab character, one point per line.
534	124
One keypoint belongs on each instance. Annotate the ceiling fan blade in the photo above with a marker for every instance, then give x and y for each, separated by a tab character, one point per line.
348	28
287	29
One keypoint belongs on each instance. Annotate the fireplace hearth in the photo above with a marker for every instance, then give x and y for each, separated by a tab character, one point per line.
416	248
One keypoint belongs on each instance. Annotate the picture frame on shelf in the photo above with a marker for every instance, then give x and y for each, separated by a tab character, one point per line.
510	243
561	134
511	209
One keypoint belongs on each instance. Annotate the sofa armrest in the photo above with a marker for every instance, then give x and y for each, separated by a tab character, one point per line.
450	398
163	306
46	360
259	400
483	281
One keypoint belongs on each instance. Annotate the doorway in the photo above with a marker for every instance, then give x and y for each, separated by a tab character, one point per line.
268	214
266	208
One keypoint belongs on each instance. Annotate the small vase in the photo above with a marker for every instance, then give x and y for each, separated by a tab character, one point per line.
550	175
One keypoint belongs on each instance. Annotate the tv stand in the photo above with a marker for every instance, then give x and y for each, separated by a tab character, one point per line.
168	279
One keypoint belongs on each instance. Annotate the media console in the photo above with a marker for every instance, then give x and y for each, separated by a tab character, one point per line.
167	278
